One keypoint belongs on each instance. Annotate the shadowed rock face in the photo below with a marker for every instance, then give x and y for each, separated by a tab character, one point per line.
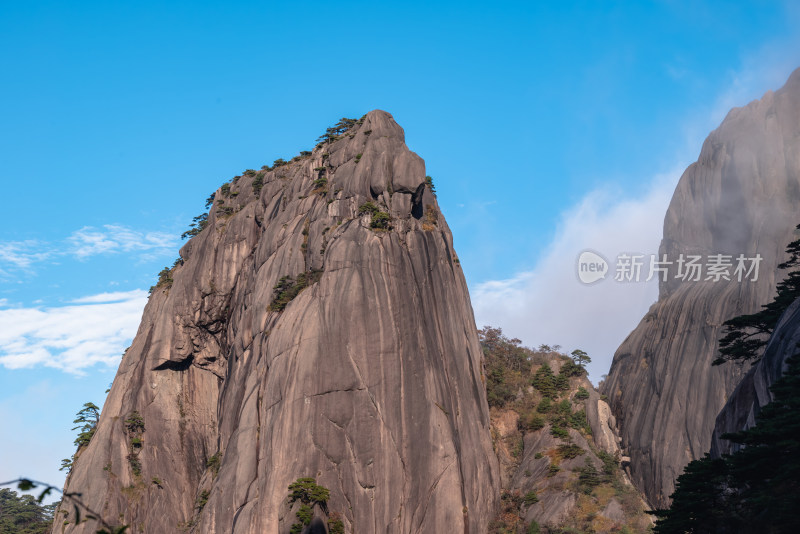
369	380
740	197
753	393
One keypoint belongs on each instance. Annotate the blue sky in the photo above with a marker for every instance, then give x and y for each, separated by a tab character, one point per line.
536	120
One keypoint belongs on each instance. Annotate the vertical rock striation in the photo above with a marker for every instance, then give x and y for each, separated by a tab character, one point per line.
369	379
740	197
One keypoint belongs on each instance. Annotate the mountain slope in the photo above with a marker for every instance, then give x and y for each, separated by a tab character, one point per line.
556	442
319	326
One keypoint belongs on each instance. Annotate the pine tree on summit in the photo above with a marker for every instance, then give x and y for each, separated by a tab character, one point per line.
580	358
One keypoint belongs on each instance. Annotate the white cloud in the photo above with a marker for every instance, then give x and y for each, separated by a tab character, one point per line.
93	330
21	254
114	296
89	241
549	305
82	244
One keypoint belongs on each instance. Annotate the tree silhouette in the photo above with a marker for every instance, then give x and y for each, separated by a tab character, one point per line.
580	358
86	419
747	335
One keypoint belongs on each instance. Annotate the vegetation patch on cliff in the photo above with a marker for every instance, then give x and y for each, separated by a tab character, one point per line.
380	220
214	463
199	224
288	288
545	392
134	427
309	494
337	131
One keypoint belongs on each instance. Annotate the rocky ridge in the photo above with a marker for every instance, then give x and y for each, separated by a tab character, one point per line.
557	444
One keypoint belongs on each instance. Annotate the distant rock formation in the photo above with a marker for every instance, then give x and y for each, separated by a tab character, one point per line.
740	197
318	325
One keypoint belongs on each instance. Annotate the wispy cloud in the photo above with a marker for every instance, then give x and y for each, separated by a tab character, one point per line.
764	70
22	254
114	296
92	330
84	243
89	241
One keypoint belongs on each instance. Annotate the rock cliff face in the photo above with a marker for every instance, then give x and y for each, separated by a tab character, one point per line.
752	393
369	379
740	197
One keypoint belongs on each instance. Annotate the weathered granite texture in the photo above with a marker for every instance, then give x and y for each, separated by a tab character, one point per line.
370	380
740	197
